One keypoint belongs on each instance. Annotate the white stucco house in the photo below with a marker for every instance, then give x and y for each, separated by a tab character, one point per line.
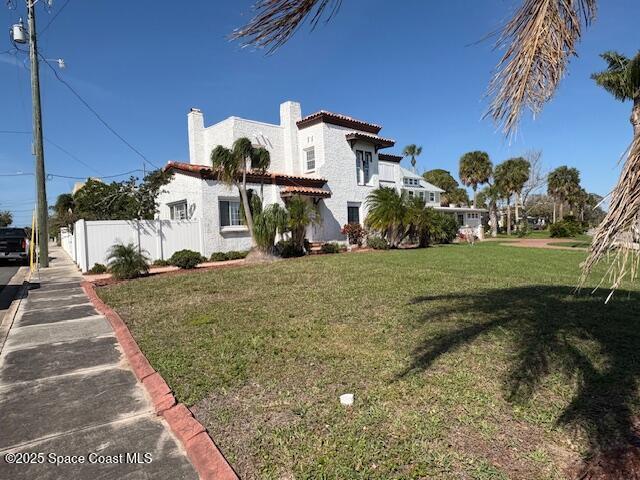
332	159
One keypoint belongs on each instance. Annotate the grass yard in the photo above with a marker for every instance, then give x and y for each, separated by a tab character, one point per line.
466	362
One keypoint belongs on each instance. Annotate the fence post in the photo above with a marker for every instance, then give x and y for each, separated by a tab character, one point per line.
160	241
85	257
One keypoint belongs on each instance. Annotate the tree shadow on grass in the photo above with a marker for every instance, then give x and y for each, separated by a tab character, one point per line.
553	331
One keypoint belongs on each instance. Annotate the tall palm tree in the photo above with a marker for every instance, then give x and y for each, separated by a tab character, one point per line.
388	211
232	167
622	80
490	196
521	171
510	177
475	169
412	151
561	184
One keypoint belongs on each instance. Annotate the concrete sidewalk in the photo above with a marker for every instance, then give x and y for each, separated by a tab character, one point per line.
66	390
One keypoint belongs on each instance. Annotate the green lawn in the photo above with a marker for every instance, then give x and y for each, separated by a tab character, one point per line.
466	362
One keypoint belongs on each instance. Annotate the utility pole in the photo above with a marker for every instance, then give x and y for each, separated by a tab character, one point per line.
41	189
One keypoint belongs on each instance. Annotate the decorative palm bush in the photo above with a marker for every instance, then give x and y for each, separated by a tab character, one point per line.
127	261
388	214
302	213
268	223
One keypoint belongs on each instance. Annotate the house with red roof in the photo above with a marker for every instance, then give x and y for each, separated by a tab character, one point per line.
331	159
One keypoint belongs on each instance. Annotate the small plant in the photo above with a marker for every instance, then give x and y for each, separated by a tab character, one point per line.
97	269
186	259
288	249
127	261
567	227
523	229
377	243
161	263
331	247
219	257
235	255
354	232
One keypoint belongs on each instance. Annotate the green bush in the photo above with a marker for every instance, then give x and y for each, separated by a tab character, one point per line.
523	229
332	247
235	255
377	243
567	227
288	249
97	269
161	263
186	259
127	261
443	228
219	257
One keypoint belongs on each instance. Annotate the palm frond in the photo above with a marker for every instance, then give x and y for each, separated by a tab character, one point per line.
539	40
618	234
276	21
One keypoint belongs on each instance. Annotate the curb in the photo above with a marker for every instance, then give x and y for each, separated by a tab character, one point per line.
205	456
6	321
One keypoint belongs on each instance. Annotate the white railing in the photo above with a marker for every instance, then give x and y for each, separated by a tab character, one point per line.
91	240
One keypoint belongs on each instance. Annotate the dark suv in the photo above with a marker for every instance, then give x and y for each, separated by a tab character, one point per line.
14	244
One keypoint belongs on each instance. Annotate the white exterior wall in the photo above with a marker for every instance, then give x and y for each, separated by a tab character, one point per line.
182	187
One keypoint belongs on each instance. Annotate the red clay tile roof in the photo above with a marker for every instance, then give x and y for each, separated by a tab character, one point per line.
378	141
269	177
387	157
338	119
309	191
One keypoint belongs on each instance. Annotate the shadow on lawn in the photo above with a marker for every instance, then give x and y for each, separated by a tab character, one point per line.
554	331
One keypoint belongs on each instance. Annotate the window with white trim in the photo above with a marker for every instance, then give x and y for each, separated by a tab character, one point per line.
230	214
411	182
432	196
178	210
310	159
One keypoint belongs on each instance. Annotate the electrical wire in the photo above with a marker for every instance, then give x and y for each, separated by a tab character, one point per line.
54	175
53	18
96	114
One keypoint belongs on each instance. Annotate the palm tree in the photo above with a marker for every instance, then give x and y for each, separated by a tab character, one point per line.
475	169
510	177
269	222
302	213
561	184
388	214
521	171
412	151
622	80
490	196
232	167
127	261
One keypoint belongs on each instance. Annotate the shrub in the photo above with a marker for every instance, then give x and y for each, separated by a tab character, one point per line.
235	255
97	269
377	243
161	263
354	232
523	229
127	261
219	257
288	249
186	259
443	228
332	247
567	227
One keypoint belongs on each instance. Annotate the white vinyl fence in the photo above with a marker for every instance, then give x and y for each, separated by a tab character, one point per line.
159	239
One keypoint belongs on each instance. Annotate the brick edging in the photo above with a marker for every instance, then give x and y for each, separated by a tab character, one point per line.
201	450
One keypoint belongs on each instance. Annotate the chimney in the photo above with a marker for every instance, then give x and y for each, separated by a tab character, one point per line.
195	128
290	113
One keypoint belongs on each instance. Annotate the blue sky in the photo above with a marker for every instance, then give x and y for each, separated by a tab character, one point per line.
411	66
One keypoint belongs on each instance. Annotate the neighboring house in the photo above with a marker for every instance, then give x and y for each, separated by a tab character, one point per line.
333	160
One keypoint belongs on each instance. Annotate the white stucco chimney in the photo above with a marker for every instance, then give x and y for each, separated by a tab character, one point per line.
290	113
195	128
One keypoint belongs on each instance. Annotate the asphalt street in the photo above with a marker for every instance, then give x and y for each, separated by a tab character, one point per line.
7	270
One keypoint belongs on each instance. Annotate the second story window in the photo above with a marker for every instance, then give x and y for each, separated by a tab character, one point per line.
363	167
310	159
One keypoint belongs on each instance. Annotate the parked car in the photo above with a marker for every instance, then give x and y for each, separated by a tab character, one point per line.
14	244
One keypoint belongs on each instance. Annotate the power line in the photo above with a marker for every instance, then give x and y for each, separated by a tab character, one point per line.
63	150
54	17
54	175
97	115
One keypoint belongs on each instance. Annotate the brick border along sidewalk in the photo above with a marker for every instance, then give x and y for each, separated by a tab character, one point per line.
201	450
